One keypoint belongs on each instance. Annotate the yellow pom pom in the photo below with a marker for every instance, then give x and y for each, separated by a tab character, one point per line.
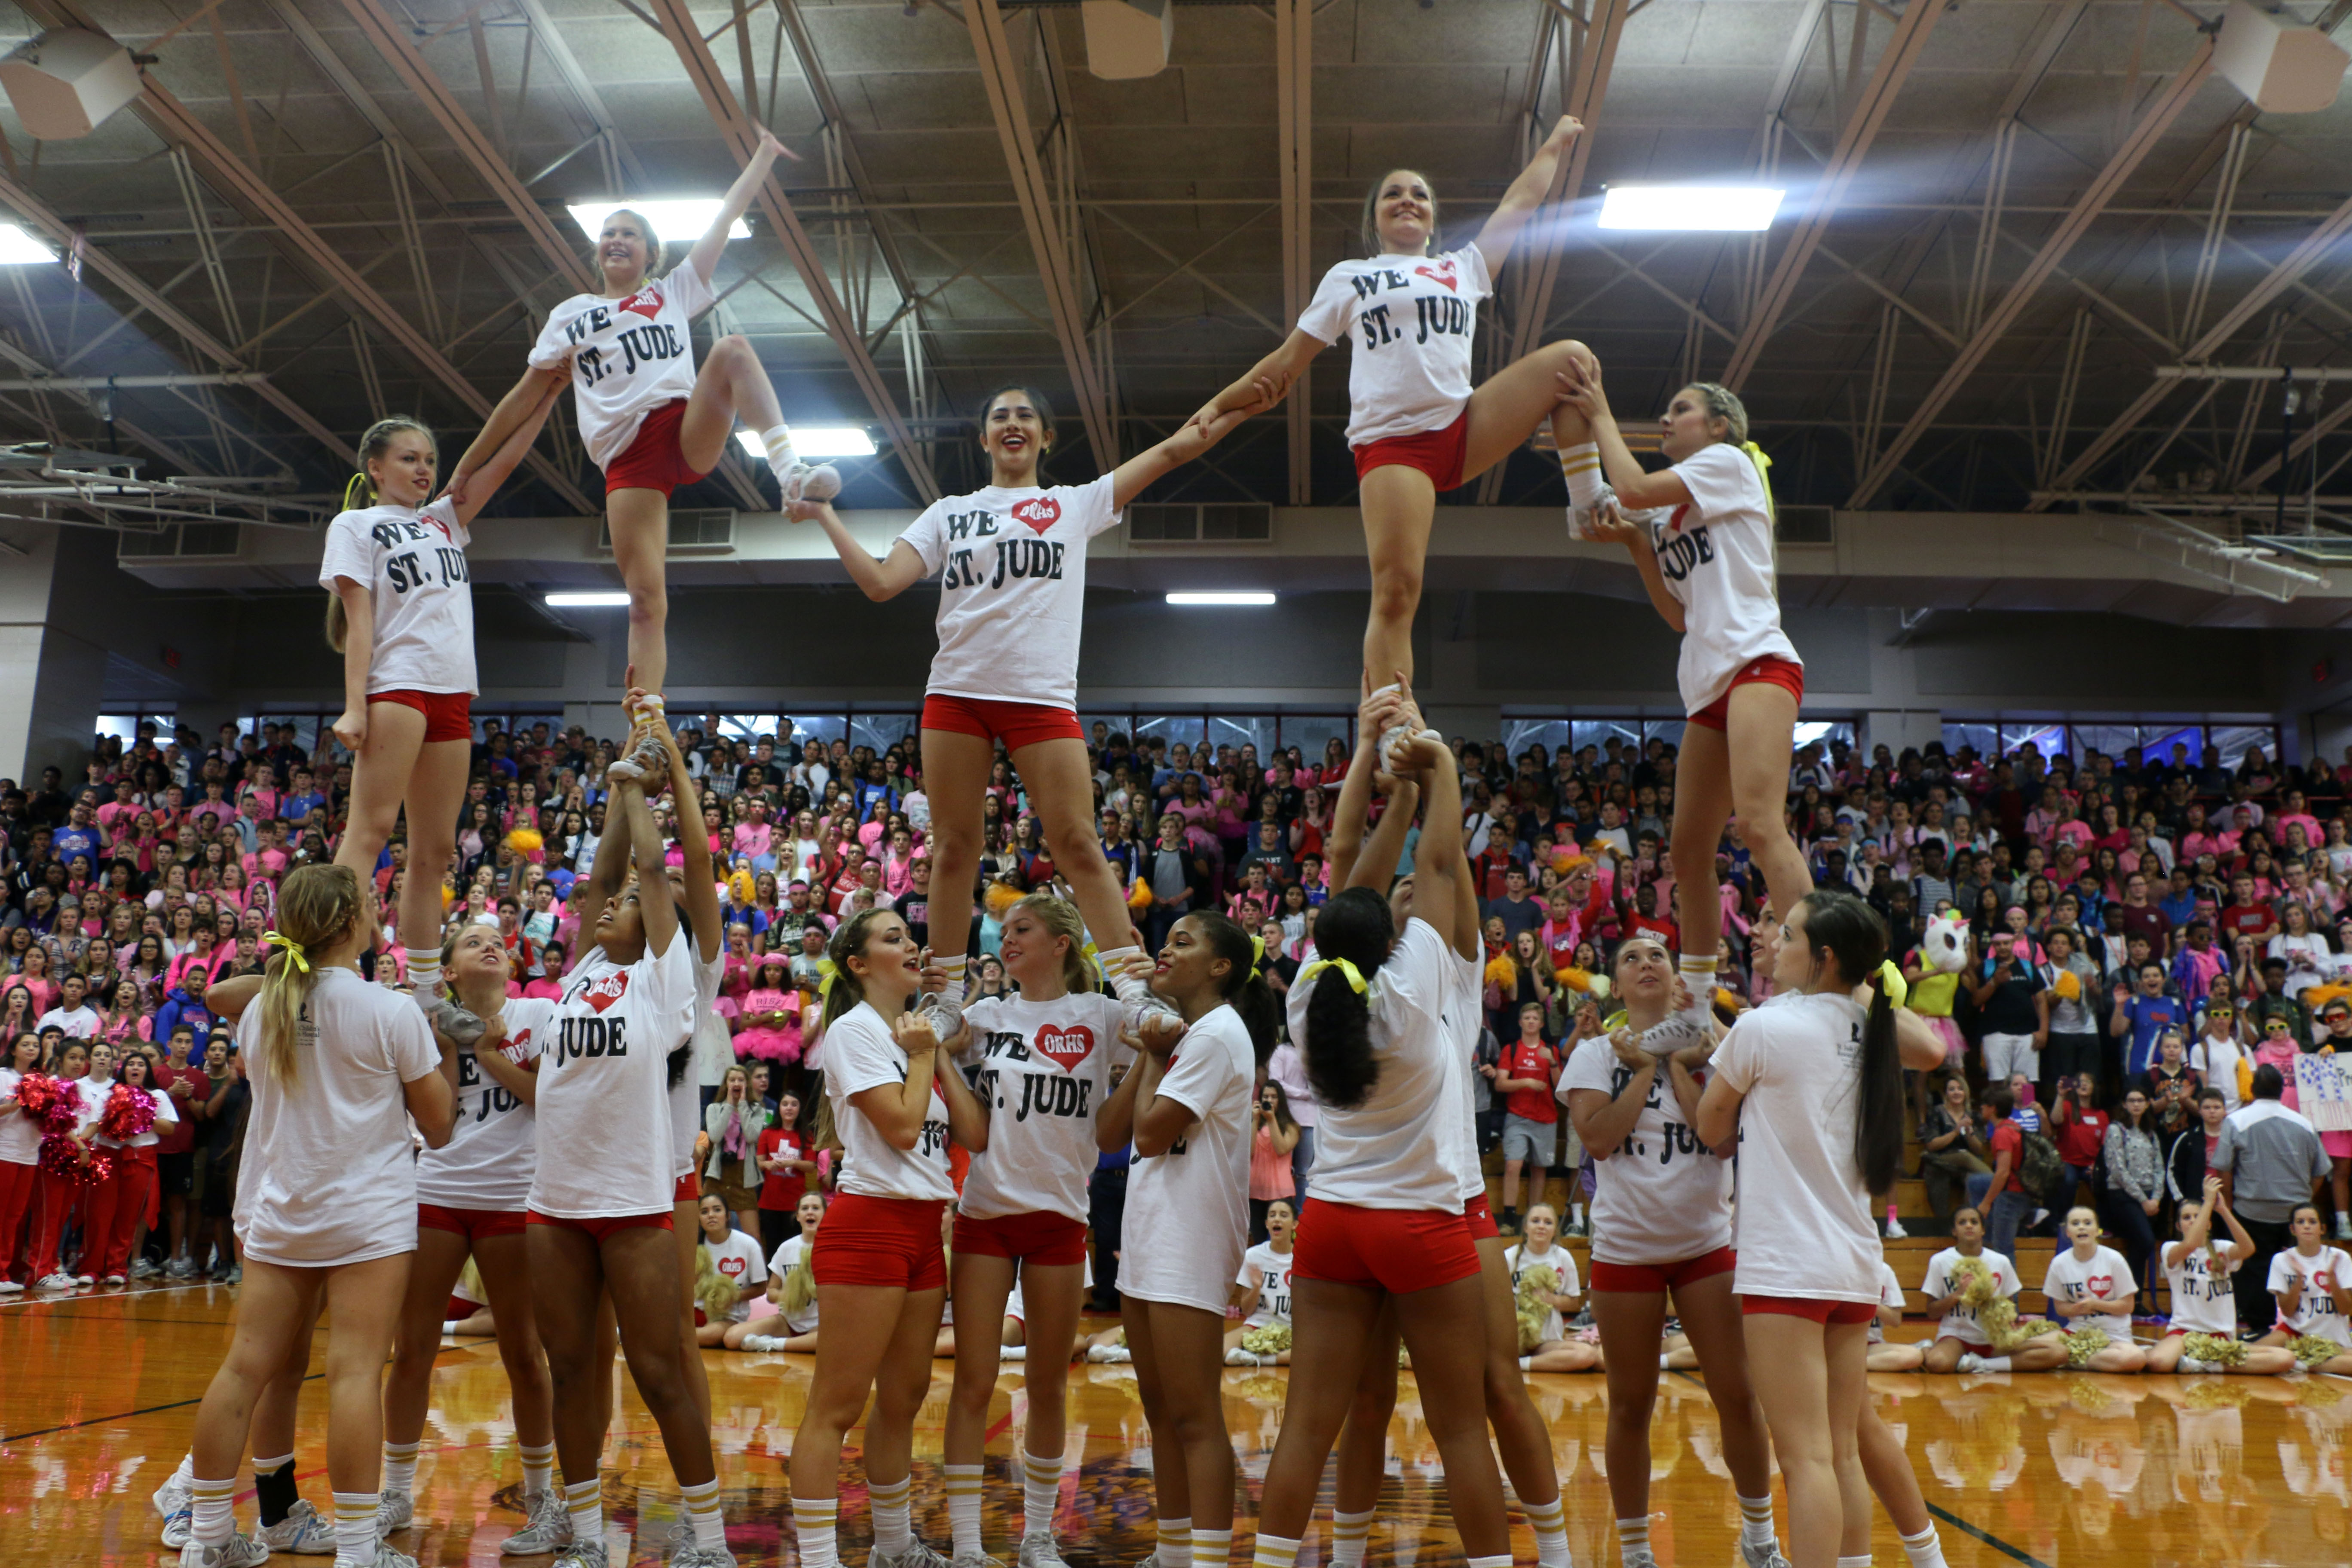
1576	979
524	840
1501	971
999	898
2069	986
1138	897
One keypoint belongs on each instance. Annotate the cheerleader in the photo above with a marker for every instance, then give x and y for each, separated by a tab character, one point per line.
1662	1245
1385	1223
878	1261
473	1195
789	1324
118	1207
2199	1272
2312	1282
601	1215
1047	1059
400	610
1961	1343
1812	1087
647	417
1885	1354
1553	1350
326	1212
1416	425
1705	556
1186	1108
2090	1287
1262	1293
20	1153
727	1268
1012	565
55	1190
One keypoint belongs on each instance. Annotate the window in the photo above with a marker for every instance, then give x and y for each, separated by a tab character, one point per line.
124	727
884	730
1825	733
1551	734
1238	732
1996	739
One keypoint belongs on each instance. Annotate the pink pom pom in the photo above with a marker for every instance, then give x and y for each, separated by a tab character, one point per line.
129	1114
60	1156
53	1106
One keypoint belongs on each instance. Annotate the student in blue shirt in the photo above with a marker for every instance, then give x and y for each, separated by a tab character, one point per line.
2140	1017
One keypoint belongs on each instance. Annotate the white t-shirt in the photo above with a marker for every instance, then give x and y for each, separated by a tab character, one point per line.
413	564
93	1097
1393	1152
328	1177
1807	1231
631	355
1890	1294
1012	566
1961	1323
2106	1277
1659	1198
1189	1208
780	1266
738	1259
20	1135
860	1053
166	1117
1269	1270
1044	1070
603	1110
492	1151
686	1094
1716	554
2204	1294
82	1024
1560	1259
1462	1018
1410	320
2215	1063
2318	1314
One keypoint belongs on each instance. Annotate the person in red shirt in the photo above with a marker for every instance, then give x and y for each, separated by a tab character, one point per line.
175	1159
2078	1127
788	1167
1647	920
2246	916
1524	1076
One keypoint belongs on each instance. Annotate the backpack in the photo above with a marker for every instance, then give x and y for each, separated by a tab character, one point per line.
2040	1170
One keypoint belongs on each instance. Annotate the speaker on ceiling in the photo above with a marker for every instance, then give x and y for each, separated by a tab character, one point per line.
2280	69
1128	38
67	81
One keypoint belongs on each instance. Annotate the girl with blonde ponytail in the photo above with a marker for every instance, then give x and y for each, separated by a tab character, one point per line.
326	1209
400	609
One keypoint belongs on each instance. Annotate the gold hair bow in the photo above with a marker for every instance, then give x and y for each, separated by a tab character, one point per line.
1353	976
831	972
293	948
1891	981
1755	456
357	483
1257	958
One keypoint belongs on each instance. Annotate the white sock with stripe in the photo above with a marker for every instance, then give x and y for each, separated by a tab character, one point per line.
1697	971
538	1468
355	1537
1214	1548
1581	467
1175	1547
816	1522
1861	1561
1271	1550
1500	1560
1756	1521
400	1468
1549	1522
424	969
211	1510
964	1510
957	968
1350	1535
1041	1491
1131	986
584	1501
1925	1549
1632	1539
702	1512
777	441
892	1501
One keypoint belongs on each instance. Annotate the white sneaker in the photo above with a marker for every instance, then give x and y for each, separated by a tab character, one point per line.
1240	1357
59	1282
1676	1032
550	1529
461	1026
1013	1353
301	1533
180	1268
2344	1228
693	1556
2190	1364
10	1287
394	1511
236	1275
116	1279
144	1270
920	1555
178	1527
800	481
1971	1362
1108	1355
584	1555
763	1342
85	1279
1765	1556
176	1492
236	1551
1894	1231
1040	1551
1582	518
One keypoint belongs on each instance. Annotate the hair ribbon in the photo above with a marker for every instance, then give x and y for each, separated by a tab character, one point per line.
1257	958
1755	456
1892	986
1348	972
293	948
356	483
831	972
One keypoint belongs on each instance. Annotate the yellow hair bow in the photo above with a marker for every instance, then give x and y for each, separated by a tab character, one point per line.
1755	456
1891	981
361	486
1354	976
1257	958
831	972
293	948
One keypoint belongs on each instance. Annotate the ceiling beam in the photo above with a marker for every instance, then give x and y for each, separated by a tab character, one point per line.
1902	52
1293	66
1000	73
2161	112
742	138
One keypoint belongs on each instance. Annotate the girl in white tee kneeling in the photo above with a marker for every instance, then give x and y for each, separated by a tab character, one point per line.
2090	1287
1262	1294
2199	1272
326	1205
1540	1248
790	1322
1962	1343
729	1274
2312	1282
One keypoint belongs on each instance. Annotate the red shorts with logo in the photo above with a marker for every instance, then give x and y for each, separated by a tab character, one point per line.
1399	1250
472	1224
448	715
1018	725
1770	671
653	461
1043	1237
1646	1279
606	1228
1478	1219
1829	1314
690	1190
881	1241
1437	453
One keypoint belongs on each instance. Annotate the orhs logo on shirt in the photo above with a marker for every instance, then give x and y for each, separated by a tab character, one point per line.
1040	512
646	303
607	991
1066	1048
1440	273
2100	1284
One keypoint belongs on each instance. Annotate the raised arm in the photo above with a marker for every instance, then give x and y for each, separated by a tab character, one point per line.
515	410
1135	475
1439	864
1526	193
1265	384
877	580
655	906
706	252
608	873
1636	488
472	489
701	887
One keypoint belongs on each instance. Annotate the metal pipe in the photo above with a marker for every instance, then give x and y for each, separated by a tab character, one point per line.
132	383
2253	373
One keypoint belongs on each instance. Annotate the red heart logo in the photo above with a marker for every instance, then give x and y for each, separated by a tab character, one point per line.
607	991
1064	1048
1040	512
2324	1279
646	302
516	1049
2100	1284
1442	274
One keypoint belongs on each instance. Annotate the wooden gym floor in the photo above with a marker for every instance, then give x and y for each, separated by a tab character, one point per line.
98	1390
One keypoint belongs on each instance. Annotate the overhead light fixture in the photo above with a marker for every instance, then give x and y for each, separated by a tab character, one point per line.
18	248
1222	598
817	441
588	601
679	221
1710	208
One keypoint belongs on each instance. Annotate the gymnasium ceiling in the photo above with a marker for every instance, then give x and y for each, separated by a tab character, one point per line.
2036	205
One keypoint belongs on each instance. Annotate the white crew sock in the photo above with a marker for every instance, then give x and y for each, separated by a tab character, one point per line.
538	1468
893	1514
1756	1521
584	1501
400	1468
1350	1532
1175	1546
211	1510
1214	1548
702	1512
1041	1490
958	968
816	1522
778	440
1697	971
424	969
1632	1538
1581	467
1272	1551
1925	1549
1500	1560
1132	988
1992	1364
964	1510
1549	1522
355	1537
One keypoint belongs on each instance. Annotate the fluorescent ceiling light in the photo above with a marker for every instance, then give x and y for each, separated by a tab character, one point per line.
1709	208
679	222
1221	598
588	601
18	248
817	441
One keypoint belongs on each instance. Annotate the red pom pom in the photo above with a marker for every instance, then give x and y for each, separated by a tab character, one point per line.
53	1106
60	1156
128	1113
99	1168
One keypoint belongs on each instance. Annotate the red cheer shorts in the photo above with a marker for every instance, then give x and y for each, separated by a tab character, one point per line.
1829	1314
1437	453
653	461
474	1224
1018	725
690	1190
1399	1250
1650	1278
608	1226
1770	671
1044	1238
881	1241
448	715
1478	1219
